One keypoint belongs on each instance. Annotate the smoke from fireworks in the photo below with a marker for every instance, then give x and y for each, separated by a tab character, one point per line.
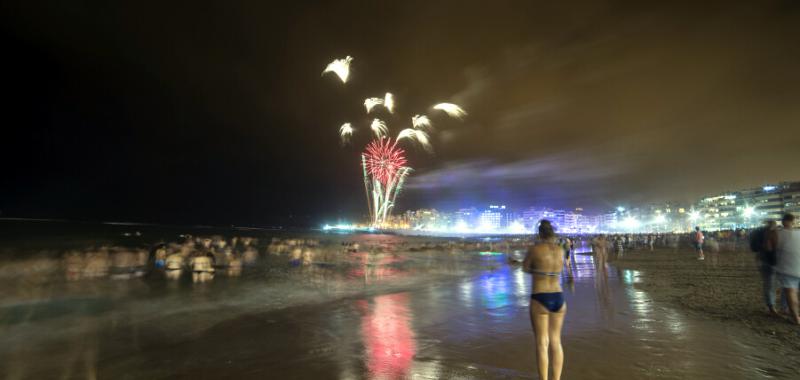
370	103
379	127
420	121
341	67
345	131
451	109
384	159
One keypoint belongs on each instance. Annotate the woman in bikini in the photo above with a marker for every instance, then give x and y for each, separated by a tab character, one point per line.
545	261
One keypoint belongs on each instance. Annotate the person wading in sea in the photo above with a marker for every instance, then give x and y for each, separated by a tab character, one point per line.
547	308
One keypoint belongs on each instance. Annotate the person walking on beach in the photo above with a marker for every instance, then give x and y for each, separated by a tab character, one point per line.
544	262
620	244
698	239
766	262
566	245
600	248
786	243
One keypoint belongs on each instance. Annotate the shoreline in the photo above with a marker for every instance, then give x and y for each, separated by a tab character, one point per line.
726	287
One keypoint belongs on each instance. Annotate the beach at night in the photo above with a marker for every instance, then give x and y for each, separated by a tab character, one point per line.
389	190
395	309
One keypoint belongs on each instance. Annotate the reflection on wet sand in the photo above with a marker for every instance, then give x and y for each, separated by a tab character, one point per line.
388	338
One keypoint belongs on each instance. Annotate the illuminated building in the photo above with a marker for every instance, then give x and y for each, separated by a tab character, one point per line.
493	218
467	217
424	218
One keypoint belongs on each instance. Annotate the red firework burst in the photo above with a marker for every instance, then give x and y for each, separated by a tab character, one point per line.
384	159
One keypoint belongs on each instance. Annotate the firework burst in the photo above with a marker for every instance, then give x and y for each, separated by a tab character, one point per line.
345	131
384	159
340	67
383	162
379	127
420	121
417	135
370	103
451	109
388	102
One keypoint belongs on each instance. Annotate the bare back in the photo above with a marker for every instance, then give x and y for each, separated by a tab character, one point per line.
546	257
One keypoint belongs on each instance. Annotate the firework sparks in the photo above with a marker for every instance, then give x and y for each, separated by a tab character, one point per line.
383	162
341	67
370	103
384	159
345	131
452	109
420	121
379	127
417	135
388	102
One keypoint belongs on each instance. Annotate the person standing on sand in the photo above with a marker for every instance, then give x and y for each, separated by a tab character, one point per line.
547	308
786	243
766	262
698	239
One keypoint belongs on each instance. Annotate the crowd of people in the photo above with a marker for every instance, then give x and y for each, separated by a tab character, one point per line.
777	249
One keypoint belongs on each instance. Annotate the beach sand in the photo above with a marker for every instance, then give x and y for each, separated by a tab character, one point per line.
726	286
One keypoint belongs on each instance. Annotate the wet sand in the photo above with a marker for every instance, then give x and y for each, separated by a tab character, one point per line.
725	287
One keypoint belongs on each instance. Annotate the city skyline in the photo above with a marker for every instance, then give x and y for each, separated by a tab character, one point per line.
733	209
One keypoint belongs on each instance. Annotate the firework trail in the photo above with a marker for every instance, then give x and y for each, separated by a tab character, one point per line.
340	67
370	103
451	109
388	102
345	131
379	127
366	182
420	121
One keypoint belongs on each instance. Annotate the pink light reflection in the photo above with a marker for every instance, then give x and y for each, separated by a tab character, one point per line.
388	339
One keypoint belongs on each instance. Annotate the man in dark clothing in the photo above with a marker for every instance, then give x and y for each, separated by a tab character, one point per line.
766	261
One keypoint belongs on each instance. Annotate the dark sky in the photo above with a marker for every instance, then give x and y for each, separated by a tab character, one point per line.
216	113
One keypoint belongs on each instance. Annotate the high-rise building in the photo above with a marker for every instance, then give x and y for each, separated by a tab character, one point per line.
493	218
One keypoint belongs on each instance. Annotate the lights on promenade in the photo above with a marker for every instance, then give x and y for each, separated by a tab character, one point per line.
694	215
660	219
630	223
748	211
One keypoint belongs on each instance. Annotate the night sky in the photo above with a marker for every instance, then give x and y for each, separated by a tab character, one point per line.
216	112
